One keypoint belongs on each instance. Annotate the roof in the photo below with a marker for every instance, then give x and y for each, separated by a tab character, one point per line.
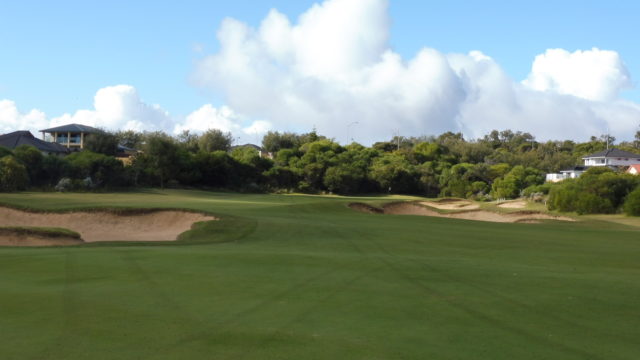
248	145
636	166
612	153
17	138
577	168
74	128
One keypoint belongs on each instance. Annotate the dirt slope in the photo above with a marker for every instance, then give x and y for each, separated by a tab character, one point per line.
408	208
109	226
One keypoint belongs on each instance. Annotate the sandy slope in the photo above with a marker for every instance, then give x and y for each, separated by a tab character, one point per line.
518	204
452	204
408	208
107	226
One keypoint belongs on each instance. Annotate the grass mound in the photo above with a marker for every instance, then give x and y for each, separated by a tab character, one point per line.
51	232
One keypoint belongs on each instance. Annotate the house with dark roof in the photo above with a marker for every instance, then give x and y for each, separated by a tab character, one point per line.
17	138
611	157
262	152
72	136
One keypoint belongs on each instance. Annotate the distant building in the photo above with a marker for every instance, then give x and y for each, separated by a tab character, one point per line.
261	151
613	158
567	174
126	154
71	136
17	138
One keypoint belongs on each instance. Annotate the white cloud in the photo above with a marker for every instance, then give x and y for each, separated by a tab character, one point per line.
11	119
334	66
591	74
208	117
223	118
258	127
120	108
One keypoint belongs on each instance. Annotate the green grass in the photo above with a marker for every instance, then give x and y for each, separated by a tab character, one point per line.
304	277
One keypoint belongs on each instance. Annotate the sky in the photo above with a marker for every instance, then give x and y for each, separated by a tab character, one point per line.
352	69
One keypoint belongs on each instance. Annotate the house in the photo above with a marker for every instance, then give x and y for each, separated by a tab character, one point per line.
566	174
611	157
634	169
17	138
614	158
126	154
71	136
261	151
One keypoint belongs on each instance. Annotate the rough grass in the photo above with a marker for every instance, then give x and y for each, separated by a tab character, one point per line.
305	277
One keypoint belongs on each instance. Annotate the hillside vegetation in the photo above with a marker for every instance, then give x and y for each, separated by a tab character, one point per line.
500	165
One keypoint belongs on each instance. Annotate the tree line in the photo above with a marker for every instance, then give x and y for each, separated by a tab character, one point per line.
499	165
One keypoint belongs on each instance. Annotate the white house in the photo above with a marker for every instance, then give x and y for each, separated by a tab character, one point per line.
611	157
566	174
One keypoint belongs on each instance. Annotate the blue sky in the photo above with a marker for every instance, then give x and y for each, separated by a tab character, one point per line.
55	55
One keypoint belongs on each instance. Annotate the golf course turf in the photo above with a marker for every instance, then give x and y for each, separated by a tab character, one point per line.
306	277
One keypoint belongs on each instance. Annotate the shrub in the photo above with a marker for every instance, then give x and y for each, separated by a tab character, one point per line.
599	190
589	203
65	184
13	175
632	204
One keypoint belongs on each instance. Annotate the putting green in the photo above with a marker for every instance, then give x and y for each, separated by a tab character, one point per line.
305	277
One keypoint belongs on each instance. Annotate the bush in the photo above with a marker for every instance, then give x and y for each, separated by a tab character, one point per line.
65	184
105	171
535	190
13	175
599	190
632	204
343	179
593	204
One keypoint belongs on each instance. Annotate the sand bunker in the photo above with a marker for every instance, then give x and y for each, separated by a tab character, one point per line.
452	204
407	208
518	204
151	225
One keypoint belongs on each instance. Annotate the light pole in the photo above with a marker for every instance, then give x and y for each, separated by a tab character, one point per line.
348	128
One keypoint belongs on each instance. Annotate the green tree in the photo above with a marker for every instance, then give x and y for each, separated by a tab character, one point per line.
160	157
131	139
215	140
632	203
188	141
4	152
32	159
394	174
104	171
102	142
13	174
